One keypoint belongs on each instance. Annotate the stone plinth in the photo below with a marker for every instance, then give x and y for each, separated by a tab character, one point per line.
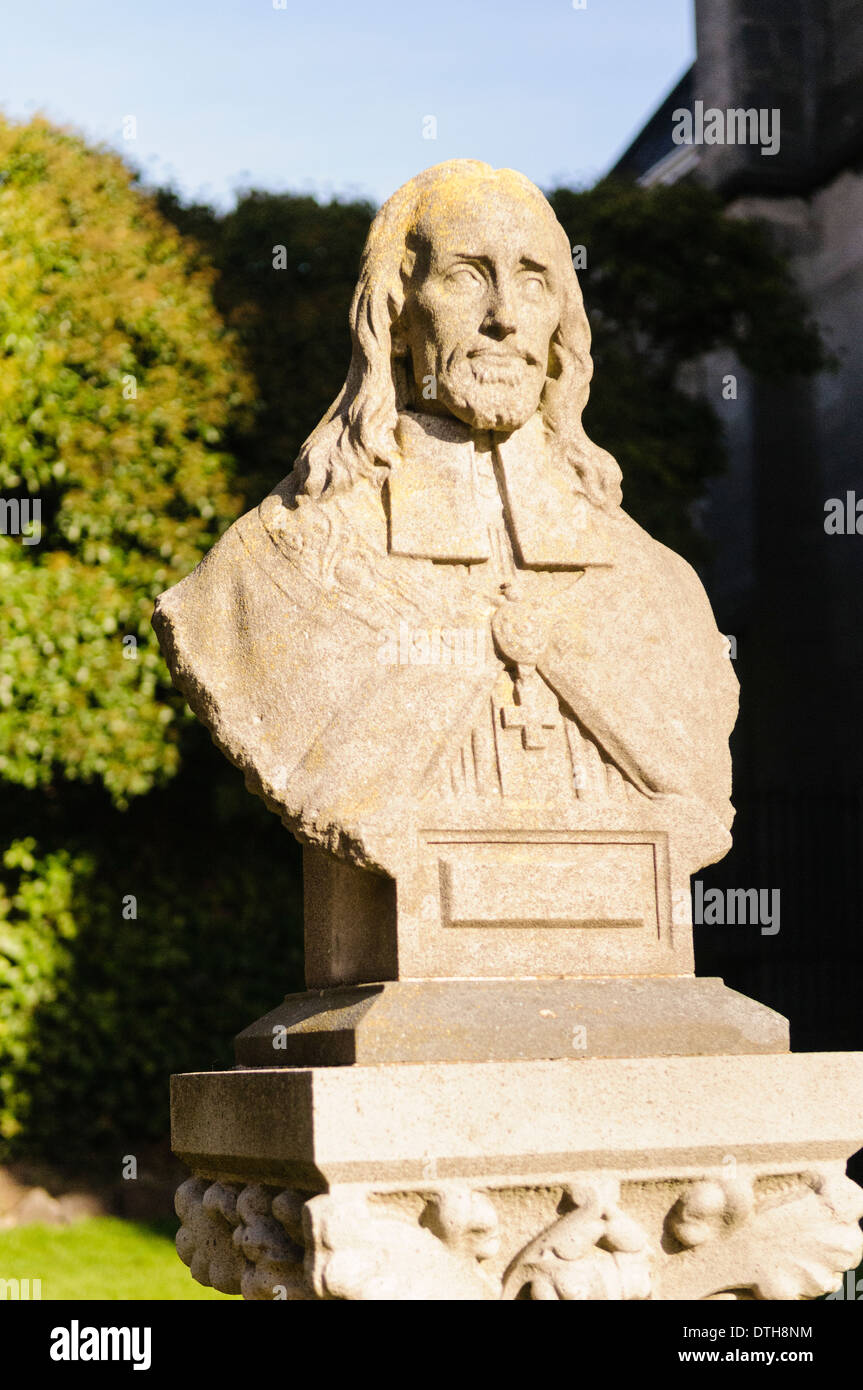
618	1178
508	1020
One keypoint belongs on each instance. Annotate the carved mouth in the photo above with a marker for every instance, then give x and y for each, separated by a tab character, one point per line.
498	368
489	355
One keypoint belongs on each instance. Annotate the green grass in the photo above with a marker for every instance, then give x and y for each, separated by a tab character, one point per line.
104	1257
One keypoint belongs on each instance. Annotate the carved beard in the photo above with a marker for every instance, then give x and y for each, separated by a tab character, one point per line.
492	389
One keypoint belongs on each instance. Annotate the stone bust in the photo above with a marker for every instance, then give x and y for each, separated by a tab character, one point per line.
496	713
443	617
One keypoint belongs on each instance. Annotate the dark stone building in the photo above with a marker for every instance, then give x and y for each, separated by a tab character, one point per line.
789	593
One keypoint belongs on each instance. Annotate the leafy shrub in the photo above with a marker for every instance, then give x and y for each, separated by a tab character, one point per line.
98	1008
119	386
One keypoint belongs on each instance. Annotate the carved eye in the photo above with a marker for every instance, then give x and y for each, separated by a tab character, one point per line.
464	277
533	286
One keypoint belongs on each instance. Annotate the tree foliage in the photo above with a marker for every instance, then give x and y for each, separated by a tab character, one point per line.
118	385
124	957
287	267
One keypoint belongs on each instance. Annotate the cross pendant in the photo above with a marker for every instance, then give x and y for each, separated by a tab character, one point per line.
535	710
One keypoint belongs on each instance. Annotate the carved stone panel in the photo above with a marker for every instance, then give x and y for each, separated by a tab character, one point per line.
748	1234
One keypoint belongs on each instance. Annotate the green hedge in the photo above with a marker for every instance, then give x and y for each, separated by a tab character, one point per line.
97	1009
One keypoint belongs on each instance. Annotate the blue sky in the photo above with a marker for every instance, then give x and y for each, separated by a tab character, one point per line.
330	97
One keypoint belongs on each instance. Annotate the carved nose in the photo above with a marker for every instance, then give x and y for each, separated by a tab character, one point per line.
500	319
500	328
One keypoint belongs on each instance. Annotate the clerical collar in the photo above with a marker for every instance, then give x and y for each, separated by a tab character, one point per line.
434	513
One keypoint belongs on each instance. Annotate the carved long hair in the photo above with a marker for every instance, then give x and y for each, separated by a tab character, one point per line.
356	437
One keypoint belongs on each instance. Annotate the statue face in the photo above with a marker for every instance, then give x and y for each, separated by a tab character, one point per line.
482	305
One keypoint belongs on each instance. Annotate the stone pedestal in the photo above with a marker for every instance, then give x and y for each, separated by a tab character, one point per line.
507	1135
609	1178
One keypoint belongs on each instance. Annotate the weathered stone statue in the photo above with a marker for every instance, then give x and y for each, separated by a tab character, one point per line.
496	714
